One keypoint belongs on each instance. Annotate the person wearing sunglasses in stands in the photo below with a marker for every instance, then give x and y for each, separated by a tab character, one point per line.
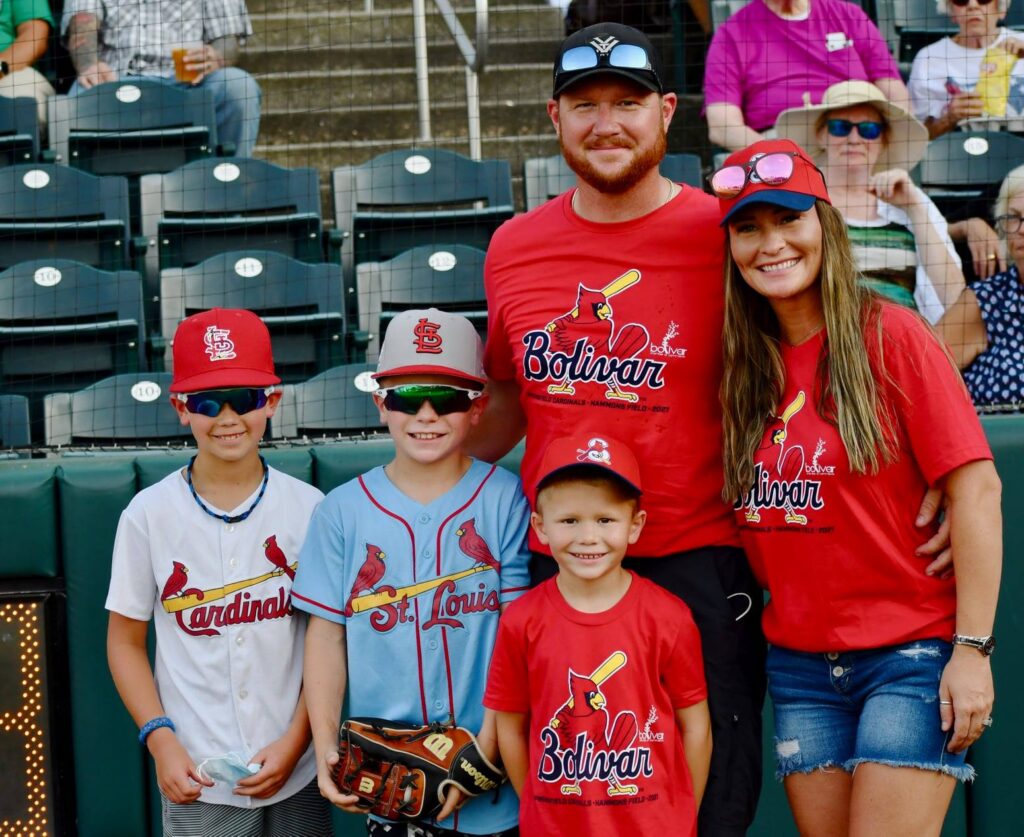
406	569
208	553
865	147
839	409
771	53
945	74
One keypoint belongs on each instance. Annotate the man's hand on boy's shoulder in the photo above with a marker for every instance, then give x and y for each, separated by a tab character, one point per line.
329	790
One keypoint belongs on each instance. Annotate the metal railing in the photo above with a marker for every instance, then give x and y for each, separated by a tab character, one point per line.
474	56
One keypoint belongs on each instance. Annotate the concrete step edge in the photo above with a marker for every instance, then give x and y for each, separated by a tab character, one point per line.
437	104
253	48
342	14
396	143
301	75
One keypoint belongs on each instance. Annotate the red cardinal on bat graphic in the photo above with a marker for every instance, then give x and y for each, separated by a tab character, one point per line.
276	557
369	574
474	546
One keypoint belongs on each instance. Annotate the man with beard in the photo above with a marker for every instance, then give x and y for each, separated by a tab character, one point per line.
630	258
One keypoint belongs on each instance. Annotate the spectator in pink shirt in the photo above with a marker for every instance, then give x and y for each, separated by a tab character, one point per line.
772	54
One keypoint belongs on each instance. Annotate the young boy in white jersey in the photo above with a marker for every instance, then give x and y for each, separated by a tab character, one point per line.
209	553
405	569
597	677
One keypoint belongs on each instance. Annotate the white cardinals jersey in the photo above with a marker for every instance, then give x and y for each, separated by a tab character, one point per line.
228	644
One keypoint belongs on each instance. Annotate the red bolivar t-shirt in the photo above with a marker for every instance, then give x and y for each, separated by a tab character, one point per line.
836	549
601	690
616	329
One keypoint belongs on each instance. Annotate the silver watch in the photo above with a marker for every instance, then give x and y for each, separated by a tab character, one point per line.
985	644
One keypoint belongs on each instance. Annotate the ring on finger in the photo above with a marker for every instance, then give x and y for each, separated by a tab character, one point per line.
987	722
991	257
945	703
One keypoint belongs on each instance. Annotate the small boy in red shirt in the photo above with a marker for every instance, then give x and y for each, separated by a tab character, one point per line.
597	677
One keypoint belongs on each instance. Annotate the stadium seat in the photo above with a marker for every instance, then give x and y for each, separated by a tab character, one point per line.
961	171
64	324
14	426
446	276
221	204
401	199
19	130
327	405
300	303
50	211
132	127
546	177
129	409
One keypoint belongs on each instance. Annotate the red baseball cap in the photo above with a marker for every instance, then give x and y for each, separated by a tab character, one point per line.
799	191
594	449
222	348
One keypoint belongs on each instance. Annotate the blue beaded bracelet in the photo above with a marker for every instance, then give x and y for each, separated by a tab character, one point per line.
155	724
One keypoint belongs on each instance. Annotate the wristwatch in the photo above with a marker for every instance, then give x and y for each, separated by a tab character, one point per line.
985	644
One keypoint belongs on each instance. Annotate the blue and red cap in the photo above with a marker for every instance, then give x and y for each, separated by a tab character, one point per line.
798	191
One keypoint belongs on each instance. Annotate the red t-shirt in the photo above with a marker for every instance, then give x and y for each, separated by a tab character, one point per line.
616	328
836	549
613	761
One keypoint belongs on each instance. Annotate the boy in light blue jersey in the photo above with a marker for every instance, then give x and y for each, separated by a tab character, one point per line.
406	568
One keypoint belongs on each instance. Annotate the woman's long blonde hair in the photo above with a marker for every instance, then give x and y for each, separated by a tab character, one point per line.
846	391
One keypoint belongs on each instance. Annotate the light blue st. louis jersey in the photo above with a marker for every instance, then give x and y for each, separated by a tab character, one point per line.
419	589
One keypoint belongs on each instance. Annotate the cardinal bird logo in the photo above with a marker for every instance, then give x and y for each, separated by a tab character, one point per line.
369	575
176	581
475	546
585	714
276	557
591	321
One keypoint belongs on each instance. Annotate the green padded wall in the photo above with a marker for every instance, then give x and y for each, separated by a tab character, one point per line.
995	808
110	783
28	520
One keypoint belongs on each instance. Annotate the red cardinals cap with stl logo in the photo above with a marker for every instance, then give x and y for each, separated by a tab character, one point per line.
594	449
799	192
431	342
222	348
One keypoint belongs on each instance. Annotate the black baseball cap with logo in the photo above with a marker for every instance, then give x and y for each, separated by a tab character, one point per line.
610	48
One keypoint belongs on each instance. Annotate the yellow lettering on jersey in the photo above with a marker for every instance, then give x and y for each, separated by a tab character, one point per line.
438	744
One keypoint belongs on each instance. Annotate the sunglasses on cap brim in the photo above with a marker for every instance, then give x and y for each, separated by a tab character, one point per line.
773	169
409	398
210	402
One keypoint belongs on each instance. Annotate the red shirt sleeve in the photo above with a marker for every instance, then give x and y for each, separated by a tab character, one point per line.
683	676
498	359
929	398
508	686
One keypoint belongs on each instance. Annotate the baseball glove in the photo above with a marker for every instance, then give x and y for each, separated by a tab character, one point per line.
400	770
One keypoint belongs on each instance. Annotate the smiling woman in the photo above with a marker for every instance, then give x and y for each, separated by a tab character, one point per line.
865	411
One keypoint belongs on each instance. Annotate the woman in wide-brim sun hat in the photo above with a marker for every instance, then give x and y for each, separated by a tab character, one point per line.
865	146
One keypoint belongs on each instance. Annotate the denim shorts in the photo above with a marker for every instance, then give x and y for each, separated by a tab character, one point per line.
848	707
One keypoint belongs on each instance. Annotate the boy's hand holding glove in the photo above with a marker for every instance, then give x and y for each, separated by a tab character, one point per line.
405	771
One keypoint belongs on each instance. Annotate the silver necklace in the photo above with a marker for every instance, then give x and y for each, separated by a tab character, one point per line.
668	197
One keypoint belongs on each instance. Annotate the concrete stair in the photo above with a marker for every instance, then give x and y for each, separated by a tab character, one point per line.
339	83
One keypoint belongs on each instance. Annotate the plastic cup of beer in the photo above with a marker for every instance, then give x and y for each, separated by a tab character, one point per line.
178	54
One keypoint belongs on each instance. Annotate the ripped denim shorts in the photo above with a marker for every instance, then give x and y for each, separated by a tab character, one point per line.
848	707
